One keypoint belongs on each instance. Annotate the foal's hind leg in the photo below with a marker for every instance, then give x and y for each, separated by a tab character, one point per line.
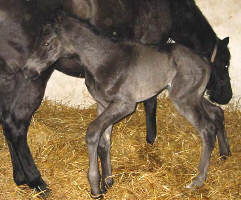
112	114
217	115
150	109
194	112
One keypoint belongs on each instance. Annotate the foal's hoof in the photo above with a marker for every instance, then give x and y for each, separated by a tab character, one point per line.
197	182
107	184
225	155
96	196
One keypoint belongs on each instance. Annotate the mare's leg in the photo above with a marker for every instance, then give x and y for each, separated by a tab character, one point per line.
24	168
18	173
104	154
217	115
23	101
150	109
112	114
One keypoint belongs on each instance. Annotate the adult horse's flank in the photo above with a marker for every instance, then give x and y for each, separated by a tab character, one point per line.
119	75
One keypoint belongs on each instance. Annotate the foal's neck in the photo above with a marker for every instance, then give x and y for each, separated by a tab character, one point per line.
92	47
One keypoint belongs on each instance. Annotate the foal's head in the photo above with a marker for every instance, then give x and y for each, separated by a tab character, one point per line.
219	86
46	51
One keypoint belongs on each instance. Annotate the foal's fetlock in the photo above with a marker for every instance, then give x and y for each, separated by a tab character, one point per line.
197	182
109	181
107	184
224	150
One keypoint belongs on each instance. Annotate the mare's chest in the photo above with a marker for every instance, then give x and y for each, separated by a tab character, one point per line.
14	44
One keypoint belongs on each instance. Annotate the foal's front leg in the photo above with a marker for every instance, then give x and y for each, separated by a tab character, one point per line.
112	114
105	158
104	154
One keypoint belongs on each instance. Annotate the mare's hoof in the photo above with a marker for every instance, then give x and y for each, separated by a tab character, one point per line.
150	140
96	196
197	182
42	193
107	184
42	189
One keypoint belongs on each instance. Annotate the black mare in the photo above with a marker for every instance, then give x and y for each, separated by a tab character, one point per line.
119	75
153	22
21	25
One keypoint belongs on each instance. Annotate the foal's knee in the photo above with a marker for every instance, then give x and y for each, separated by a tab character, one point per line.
92	135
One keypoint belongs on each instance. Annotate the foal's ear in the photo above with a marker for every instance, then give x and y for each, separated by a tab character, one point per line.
225	41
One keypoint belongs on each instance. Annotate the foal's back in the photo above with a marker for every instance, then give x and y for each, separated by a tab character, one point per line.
134	68
152	71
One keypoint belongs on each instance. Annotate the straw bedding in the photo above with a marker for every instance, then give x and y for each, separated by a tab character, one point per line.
140	171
